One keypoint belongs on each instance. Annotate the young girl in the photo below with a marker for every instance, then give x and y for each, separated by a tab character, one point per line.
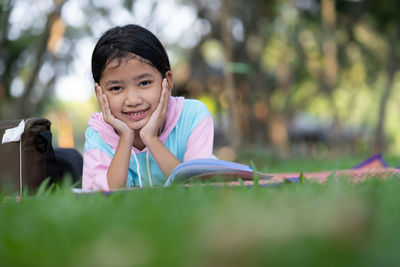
142	132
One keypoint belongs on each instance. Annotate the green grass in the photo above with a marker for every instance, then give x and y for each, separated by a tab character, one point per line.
292	224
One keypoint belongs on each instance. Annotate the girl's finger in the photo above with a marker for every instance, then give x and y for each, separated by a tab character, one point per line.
96	90
164	88
100	98
161	103
103	102
106	105
165	83
165	95
99	93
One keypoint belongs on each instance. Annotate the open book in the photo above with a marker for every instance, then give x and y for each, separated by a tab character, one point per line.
204	169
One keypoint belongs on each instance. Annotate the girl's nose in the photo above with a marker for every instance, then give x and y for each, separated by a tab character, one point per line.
133	97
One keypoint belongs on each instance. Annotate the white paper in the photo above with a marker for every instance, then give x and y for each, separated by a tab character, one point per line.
83	191
13	134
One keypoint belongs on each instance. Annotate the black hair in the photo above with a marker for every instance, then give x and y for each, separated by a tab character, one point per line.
120	42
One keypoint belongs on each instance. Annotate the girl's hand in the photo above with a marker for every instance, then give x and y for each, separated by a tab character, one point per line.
152	127
119	126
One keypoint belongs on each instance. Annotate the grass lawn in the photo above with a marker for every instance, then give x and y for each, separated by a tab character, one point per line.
335	224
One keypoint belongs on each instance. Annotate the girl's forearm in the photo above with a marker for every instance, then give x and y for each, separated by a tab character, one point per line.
164	158
118	169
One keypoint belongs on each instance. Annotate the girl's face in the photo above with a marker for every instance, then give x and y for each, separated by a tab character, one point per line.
133	89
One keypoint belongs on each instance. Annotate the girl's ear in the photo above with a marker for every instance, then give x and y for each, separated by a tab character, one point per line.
170	80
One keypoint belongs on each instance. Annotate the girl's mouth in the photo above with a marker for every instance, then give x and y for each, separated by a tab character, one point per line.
136	115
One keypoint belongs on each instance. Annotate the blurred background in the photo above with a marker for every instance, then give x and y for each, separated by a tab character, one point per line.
288	77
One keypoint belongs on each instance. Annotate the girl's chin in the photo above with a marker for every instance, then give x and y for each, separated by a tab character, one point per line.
137	126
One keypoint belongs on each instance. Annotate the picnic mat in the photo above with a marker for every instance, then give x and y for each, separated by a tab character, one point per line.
374	166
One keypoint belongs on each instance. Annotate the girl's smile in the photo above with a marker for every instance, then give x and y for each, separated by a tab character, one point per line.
137	115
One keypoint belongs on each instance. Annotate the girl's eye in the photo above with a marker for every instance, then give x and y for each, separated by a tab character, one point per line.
115	88
144	83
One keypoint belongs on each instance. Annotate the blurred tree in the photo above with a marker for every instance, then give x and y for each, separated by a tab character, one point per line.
381	18
36	49
235	133
385	15
20	68
262	61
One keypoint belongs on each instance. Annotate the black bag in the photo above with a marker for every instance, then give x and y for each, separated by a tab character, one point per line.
23	161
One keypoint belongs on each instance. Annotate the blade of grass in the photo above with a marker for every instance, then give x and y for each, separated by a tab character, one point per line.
43	187
301	178
256	177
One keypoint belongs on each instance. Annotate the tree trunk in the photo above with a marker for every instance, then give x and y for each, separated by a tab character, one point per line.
328	10
330	65
234	131
24	107
379	141
4	26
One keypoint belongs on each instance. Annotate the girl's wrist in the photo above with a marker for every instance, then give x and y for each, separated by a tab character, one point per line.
127	137
149	140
